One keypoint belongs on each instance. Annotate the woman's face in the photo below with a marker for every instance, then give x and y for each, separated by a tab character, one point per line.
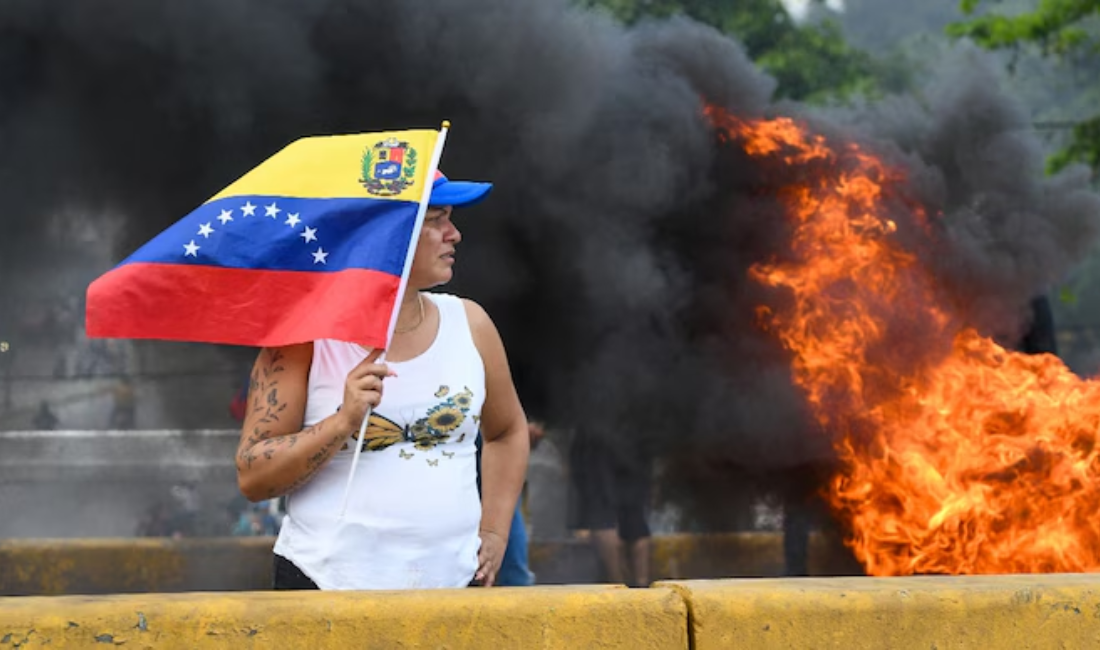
435	252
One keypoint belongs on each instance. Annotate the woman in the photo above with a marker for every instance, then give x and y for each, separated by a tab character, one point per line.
414	519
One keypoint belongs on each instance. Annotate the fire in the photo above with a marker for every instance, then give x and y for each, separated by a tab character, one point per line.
960	458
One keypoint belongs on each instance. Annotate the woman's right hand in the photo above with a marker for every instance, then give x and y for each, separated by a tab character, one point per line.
363	390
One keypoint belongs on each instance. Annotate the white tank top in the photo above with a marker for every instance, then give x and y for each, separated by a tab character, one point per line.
414	510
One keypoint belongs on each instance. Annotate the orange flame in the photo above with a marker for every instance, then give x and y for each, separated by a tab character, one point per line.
971	459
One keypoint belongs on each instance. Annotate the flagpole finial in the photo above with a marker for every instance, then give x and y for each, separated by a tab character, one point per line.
446	124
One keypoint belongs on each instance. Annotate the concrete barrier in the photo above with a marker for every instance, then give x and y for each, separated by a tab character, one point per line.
109	566
140	565
1003	612
543	617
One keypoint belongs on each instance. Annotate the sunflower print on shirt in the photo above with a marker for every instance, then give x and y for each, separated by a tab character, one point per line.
433	429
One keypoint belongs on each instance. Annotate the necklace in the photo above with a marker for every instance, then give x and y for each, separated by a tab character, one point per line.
420	303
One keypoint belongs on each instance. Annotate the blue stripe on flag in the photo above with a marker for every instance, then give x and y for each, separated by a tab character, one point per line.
288	234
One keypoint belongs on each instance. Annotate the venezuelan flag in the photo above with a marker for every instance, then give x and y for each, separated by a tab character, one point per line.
313	243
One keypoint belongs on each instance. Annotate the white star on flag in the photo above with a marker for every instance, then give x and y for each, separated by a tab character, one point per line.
271	210
225	217
205	230
319	256
248	209
292	219
309	235
191	249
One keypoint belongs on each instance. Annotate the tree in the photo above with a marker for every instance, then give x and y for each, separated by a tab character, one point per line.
1063	29
812	62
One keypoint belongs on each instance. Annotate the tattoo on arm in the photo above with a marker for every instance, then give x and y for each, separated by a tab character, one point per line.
266	407
314	462
264	397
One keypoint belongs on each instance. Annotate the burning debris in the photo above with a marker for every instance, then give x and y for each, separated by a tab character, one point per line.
958	456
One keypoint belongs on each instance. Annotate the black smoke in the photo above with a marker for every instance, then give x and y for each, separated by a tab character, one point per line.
613	252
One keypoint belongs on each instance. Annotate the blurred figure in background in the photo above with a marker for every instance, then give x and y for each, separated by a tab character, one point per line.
256	521
514	569
612	490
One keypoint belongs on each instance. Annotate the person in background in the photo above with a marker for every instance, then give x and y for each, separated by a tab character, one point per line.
612	487
256	521
514	569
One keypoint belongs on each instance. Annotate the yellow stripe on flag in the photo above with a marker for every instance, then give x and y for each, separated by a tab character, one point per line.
334	166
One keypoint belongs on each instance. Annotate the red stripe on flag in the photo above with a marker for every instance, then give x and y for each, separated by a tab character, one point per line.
241	306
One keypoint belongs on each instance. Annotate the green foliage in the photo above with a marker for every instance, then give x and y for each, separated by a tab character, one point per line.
811	62
1066	29
814	64
1085	147
1055	26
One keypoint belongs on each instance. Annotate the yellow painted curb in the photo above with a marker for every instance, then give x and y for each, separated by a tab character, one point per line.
494	619
55	567
980	612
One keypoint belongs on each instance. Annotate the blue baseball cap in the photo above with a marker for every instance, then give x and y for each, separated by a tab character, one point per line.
456	193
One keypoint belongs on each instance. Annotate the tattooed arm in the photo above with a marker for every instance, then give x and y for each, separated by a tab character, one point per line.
276	455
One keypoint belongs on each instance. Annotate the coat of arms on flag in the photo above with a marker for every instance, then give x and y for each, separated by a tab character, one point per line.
389	167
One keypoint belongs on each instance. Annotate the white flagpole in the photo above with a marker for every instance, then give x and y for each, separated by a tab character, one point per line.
425	197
